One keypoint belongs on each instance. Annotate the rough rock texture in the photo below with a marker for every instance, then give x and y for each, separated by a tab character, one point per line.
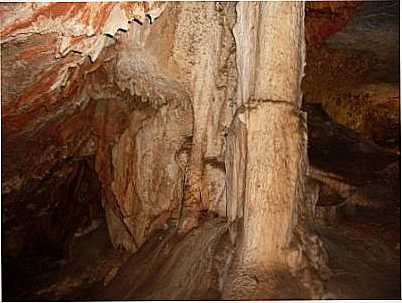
96	82
162	113
364	60
324	18
269	99
142	110
55	87
356	176
45	50
364	255
358	101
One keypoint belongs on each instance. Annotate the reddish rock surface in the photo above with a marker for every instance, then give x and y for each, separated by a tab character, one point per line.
325	18
123	109
68	93
355	74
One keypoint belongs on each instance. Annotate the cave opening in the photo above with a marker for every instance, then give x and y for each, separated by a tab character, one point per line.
209	150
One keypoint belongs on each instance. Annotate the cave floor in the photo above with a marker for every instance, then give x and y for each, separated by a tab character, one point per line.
364	260
91	257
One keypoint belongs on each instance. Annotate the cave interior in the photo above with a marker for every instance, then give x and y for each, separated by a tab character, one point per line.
120	167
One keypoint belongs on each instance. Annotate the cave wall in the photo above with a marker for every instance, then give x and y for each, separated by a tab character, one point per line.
153	117
369	106
325	18
59	99
354	74
51	213
168	163
148	90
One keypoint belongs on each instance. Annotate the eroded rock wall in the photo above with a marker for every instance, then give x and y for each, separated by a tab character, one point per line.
153	117
170	101
175	138
354	74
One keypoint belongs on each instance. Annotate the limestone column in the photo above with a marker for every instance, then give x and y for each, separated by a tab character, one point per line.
270	61
275	147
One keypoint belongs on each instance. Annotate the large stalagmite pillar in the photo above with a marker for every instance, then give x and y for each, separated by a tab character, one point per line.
274	141
270	61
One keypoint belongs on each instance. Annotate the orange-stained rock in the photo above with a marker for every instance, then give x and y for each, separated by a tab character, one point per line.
365	97
325	18
146	88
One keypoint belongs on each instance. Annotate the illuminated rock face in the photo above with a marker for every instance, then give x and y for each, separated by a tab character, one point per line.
146	91
181	125
49	52
112	83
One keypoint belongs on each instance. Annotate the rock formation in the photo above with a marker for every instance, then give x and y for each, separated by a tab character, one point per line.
159	116
364	58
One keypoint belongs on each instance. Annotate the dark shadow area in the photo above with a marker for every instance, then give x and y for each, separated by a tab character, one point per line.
44	224
352	98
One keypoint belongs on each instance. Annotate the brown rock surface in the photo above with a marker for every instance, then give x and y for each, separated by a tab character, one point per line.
156	118
355	74
325	18
90	93
68	92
